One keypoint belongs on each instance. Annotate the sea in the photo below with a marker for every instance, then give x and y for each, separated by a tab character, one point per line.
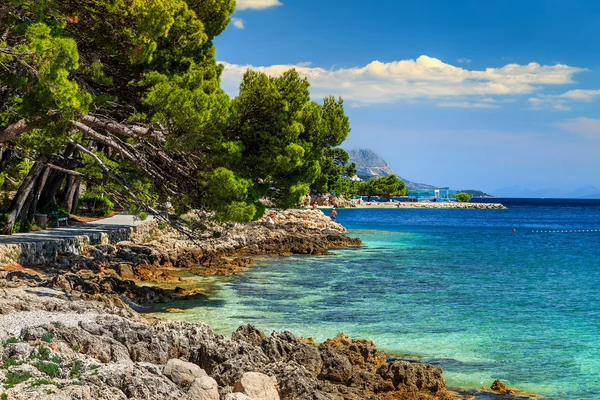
485	294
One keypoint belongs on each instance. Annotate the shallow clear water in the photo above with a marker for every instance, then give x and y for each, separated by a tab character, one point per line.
457	288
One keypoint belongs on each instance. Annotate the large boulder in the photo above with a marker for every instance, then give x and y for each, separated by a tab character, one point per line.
413	376
237	396
183	373
204	388
257	386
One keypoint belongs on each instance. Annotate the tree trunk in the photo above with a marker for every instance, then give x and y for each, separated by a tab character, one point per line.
34	197
6	155
75	200
22	194
69	193
48	195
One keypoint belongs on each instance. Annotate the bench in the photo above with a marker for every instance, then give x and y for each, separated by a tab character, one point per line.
54	215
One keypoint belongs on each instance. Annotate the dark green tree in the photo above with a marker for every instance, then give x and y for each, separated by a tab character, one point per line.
463	197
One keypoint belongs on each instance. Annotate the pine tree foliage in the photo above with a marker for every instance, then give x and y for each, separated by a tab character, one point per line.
124	97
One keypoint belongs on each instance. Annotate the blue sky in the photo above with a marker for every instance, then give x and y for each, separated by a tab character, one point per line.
467	94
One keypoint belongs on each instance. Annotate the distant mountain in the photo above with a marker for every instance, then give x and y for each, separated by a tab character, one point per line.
370	165
588	192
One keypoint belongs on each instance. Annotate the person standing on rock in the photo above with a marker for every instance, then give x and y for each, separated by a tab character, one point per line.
333	214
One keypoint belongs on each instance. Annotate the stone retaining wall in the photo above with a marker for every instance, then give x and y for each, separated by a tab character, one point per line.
46	251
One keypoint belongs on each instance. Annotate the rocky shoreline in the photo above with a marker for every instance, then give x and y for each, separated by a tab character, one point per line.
54	347
68	331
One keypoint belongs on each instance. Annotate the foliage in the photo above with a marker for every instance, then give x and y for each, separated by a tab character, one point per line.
11	340
49	368
42	382
47	337
14	378
96	205
43	353
151	64
10	362
76	367
463	197
162	225
384	186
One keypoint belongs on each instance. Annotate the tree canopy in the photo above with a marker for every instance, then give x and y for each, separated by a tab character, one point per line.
383	186
123	97
463	197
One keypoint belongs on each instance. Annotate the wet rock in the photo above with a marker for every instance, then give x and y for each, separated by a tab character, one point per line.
499	386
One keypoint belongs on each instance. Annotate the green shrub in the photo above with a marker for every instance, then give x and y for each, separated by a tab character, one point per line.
55	209
48	368
75	366
96	205
143	216
43	353
56	359
76	348
14	378
10	340
162	225
4	396
10	362
22	227
217	234
41	382
47	337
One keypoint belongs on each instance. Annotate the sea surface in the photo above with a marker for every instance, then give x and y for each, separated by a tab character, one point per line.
456	288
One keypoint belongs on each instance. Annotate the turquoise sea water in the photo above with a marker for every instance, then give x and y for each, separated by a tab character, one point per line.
458	288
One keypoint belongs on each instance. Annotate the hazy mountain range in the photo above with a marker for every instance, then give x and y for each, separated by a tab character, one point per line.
589	192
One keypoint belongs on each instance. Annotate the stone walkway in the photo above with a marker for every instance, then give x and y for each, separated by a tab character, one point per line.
106	225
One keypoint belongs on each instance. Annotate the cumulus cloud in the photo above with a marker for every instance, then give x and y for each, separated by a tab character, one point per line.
238	23
464	60
587	127
423	78
256	4
561	102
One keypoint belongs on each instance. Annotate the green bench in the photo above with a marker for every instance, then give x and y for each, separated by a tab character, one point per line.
55	215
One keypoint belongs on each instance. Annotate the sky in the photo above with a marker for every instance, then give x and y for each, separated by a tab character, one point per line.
467	94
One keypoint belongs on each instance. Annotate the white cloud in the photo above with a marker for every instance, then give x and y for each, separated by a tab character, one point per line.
466	104
256	4
561	102
423	78
238	23
587	127
464	60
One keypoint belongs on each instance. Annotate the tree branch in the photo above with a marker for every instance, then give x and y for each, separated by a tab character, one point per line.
14	130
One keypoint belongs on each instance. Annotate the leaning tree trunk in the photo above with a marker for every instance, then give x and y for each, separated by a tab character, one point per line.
34	197
22	194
